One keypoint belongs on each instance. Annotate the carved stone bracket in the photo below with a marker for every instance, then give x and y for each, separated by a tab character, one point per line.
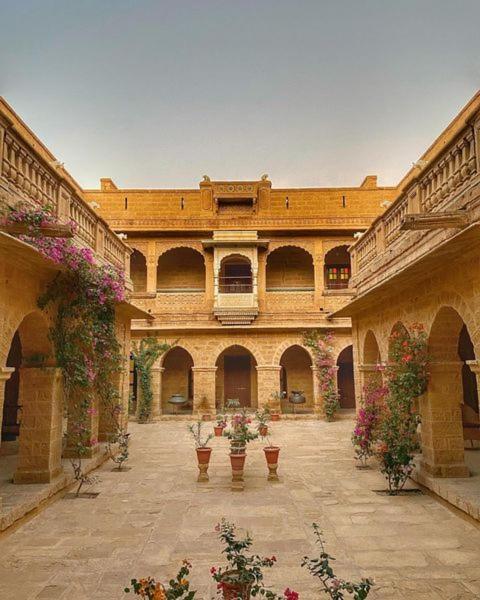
443	220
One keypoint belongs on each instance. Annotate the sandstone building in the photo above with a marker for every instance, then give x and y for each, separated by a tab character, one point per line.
31	394
419	262
236	271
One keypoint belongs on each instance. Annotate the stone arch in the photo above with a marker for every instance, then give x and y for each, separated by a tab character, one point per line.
371	350
345	378
337	265
398	329
138	271
177	378
36	389
286	344
246	343
296	374
274	246
236	376
235	274
290	267
181	268
458	303
442	428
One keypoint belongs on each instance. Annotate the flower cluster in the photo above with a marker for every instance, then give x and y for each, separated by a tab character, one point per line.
368	418
240	428
154	590
244	572
407	379
323	352
32	216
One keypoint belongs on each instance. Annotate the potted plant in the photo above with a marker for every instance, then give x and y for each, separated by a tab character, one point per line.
271	456
262	416
275	405
154	590
203	451
243	576
239	436
221	423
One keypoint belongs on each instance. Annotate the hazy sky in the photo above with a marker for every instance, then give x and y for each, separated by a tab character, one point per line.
314	93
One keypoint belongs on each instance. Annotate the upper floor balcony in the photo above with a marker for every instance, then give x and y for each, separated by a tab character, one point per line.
439	202
240	280
30	173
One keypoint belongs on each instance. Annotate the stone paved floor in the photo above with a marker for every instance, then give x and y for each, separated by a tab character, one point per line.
147	519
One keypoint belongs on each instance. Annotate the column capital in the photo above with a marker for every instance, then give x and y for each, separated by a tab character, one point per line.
6	372
157	369
370	368
204	369
474	366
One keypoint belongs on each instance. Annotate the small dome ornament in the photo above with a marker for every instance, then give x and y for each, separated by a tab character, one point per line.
206	178
264	177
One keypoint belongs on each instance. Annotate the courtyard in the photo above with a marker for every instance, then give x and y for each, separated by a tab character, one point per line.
146	520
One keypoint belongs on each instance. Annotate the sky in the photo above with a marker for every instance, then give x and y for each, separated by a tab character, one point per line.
315	93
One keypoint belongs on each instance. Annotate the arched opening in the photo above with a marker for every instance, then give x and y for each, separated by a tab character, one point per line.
236	378
371	351
337	268
138	271
345	380
398	330
469	379
177	380
290	268
235	275
443	428
296	375
181	270
371	360
32	424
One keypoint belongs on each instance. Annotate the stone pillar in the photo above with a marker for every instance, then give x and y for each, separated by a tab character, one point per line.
209	280
40	440
91	420
442	433
268	382
369	374
4	125
157	372
204	390
262	281
152	261
319	279
5	374
475	368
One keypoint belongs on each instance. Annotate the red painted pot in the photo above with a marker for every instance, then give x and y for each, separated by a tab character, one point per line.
263	430
234	590
237	461
271	454
275	417
203	455
218	429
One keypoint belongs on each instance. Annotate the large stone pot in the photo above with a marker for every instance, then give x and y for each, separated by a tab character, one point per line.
203	458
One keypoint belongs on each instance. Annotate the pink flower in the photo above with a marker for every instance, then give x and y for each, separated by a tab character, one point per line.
290	594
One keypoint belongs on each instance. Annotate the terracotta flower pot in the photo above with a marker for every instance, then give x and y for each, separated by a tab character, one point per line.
237	461
203	455
263	430
271	454
206	417
218	429
203	458
235	590
275	417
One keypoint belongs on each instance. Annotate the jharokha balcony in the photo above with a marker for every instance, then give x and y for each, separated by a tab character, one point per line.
436	214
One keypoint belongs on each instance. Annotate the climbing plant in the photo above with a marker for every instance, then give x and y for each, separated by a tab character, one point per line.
82	299
144	354
321	345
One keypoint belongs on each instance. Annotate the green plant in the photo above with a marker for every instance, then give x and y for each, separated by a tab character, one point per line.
332	585
242	566
263	417
240	430
179	587
196	431
321	345
365	433
121	439
144	354
406	380
221	420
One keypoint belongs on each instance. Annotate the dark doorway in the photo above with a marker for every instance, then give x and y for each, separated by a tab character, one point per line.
237	379
10	425
469	379
346	386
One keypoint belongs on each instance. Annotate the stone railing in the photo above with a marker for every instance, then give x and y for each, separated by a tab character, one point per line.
443	186
31	174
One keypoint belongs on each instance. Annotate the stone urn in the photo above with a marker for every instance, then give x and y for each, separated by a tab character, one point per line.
176	400
203	459
271	455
